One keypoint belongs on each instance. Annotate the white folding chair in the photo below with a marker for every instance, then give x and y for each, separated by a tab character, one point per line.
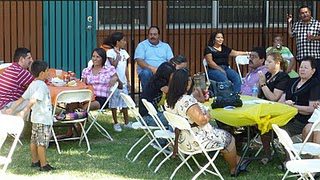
72	96
140	124
241	60
205	67
5	65
161	133
181	123
12	125
94	116
302	167
306	147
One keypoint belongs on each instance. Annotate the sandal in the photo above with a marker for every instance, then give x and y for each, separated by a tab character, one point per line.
242	168
244	164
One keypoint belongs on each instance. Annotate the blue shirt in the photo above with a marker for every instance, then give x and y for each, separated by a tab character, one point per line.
154	55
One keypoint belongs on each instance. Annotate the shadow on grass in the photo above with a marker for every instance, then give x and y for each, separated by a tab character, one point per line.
107	159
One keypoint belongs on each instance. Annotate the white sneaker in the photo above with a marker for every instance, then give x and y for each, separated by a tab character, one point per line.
117	127
129	125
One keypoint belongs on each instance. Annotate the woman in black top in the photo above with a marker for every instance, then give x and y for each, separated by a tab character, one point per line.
273	84
217	56
303	94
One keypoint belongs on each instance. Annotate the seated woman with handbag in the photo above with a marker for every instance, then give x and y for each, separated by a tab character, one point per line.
217	55
179	102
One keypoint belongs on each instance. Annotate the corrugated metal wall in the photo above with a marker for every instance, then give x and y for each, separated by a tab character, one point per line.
20	26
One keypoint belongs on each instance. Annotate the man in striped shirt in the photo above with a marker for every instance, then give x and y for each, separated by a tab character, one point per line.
15	79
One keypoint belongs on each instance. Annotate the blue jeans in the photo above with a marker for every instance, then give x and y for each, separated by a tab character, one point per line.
233	76
144	77
150	121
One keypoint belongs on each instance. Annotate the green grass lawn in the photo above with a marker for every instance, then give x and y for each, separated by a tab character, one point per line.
107	160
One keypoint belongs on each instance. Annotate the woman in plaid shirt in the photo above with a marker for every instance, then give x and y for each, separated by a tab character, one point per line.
101	77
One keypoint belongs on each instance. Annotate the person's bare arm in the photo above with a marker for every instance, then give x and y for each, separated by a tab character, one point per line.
84	80
128	80
113	62
282	98
212	64
289	23
27	108
164	89
115	79
292	65
305	110
24	111
197	116
238	53
272	96
198	95
145	65
14	107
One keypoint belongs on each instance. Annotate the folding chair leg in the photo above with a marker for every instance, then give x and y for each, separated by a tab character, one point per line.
8	159
164	160
90	126
207	165
55	140
182	159
18	140
86	138
145	147
100	129
258	152
134	145
175	171
198	165
158	153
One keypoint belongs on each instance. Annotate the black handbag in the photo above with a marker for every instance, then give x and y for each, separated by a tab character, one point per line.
223	95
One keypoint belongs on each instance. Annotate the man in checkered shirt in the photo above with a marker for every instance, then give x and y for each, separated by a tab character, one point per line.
307	34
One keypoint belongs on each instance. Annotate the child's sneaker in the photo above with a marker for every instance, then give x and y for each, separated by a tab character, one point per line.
117	127
129	125
47	168
36	164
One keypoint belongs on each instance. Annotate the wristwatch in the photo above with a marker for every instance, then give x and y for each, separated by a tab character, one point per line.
262	85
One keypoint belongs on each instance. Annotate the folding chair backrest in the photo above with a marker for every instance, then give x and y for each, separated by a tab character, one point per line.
177	121
286	141
73	96
112	90
241	60
9	125
132	107
316	126
153	113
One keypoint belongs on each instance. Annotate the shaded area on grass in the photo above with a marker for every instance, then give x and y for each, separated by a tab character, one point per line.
107	159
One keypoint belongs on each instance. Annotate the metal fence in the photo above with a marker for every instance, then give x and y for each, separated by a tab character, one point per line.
186	25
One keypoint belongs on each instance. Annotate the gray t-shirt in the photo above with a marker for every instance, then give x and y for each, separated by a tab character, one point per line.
42	109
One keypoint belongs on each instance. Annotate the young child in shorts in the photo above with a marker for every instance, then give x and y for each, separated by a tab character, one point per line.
118	58
39	99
